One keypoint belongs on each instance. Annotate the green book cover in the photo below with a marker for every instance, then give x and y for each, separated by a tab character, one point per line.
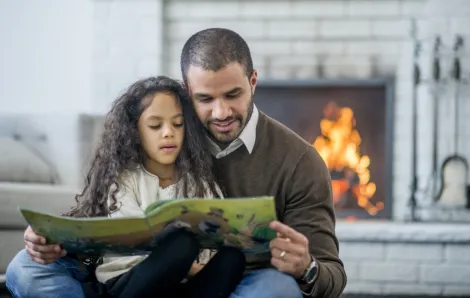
238	222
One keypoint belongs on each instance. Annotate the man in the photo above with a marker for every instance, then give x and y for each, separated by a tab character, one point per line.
254	155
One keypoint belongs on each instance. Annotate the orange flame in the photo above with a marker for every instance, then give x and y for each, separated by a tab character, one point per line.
338	145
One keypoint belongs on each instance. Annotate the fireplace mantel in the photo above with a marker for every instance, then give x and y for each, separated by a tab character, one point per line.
384	231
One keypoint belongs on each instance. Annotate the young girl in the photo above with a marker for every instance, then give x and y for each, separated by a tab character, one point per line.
153	148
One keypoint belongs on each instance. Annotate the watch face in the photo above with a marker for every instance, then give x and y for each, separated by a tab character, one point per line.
311	274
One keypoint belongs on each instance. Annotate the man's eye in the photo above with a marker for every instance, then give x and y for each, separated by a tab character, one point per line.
233	95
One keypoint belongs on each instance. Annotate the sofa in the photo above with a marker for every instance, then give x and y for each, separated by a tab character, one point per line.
28	179
53	199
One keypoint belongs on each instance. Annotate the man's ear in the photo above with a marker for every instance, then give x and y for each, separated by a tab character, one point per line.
253	81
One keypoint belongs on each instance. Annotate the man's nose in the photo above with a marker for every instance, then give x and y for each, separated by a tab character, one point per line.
221	110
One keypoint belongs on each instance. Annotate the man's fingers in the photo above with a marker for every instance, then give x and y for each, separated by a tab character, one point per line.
283	244
288	232
288	257
289	263
282	266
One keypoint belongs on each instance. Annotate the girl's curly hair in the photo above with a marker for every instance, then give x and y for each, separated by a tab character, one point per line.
120	149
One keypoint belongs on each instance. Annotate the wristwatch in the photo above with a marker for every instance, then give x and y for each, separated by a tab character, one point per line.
310	274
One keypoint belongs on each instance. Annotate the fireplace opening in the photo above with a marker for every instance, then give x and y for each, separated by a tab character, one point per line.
350	125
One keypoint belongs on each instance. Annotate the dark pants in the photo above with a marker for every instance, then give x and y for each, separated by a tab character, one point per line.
161	273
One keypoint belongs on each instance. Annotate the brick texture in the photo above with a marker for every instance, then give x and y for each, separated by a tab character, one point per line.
362	251
318	8
344	28
453	290
446	273
364	8
412	251
411	289
391	271
457	253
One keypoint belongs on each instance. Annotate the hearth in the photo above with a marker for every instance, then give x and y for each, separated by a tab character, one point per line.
350	125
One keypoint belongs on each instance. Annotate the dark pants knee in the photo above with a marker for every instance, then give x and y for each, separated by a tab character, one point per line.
220	276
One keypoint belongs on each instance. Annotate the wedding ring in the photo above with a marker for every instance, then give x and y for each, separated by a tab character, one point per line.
283	254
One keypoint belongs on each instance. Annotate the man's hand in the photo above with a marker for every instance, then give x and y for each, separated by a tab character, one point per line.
39	251
289	250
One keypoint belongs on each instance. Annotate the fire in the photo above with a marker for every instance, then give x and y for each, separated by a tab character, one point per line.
338	145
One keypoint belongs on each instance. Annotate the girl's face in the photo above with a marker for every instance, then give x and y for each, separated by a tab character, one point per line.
161	129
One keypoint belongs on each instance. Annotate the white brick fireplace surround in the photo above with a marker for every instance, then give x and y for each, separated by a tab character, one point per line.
329	39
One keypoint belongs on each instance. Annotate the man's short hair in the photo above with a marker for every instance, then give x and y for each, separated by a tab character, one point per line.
213	49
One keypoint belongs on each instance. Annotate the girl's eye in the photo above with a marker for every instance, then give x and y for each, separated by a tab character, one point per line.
155	126
178	124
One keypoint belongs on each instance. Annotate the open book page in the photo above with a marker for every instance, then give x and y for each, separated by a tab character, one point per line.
92	236
241	222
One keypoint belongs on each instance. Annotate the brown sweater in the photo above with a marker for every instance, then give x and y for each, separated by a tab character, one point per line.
283	165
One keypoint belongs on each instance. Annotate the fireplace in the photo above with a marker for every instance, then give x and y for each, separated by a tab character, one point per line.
350	125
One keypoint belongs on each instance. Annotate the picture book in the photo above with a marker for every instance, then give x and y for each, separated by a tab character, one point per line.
237	222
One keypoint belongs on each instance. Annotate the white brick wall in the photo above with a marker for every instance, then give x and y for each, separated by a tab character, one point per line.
406	268
291	39
398	258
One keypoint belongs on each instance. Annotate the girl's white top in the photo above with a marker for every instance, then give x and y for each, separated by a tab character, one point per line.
137	190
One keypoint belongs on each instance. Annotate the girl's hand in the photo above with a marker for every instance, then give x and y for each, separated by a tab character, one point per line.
195	268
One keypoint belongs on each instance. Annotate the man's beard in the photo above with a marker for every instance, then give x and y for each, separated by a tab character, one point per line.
236	117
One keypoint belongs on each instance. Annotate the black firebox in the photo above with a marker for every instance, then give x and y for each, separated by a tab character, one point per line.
350	123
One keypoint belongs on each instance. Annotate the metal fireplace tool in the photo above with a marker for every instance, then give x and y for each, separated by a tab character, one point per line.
450	202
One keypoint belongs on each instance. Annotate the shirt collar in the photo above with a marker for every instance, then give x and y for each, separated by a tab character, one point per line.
248	134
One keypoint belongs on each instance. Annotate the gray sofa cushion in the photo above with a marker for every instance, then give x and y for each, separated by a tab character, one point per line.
52	199
12	242
19	164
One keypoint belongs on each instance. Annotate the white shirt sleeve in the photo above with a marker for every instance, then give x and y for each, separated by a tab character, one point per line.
127	201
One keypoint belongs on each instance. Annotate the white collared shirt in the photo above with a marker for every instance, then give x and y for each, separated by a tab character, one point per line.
247	137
